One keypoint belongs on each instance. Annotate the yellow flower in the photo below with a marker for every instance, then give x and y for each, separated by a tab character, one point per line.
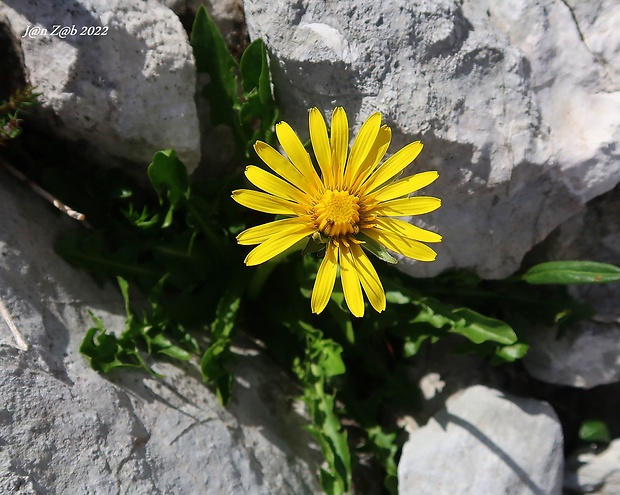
352	198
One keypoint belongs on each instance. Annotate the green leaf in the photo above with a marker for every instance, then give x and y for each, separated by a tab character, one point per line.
331	485
124	288
479	328
385	447
323	360
412	345
105	351
101	349
464	321
163	345
213	57
436	314
167	173
332	439
142	219
255	71
336	436
215	358
572	272
396	297
259	110
377	249
248	108
330	358
98	346
593	430
510	353
313	246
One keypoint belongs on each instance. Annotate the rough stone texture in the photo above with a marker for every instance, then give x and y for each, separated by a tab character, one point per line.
66	429
516	102
129	92
587	354
485	442
595	474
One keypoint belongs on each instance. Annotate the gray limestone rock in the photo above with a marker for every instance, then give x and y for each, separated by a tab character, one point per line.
66	429
485	441
122	77
516	103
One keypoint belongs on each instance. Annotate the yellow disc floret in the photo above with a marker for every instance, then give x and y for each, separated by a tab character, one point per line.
337	214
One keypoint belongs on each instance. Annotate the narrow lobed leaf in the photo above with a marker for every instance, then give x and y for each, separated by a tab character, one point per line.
479	328
572	272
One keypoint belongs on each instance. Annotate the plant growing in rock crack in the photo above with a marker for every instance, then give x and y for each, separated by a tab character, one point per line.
175	244
10	123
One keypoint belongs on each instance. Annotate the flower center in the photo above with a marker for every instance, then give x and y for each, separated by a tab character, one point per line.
337	214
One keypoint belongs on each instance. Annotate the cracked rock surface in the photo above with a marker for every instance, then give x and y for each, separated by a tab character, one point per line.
66	429
516	103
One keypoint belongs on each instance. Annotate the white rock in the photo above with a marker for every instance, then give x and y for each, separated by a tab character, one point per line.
485	442
66	429
129	90
517	113
596	474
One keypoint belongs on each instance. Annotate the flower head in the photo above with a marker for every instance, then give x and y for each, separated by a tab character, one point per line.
349	204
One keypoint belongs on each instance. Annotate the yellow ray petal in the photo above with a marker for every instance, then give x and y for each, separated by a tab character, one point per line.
407	230
407	247
339	143
267	203
351	282
380	146
274	185
418	205
368	277
280	165
276	245
405	186
297	154
392	166
362	146
260	233
320	144
325	278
